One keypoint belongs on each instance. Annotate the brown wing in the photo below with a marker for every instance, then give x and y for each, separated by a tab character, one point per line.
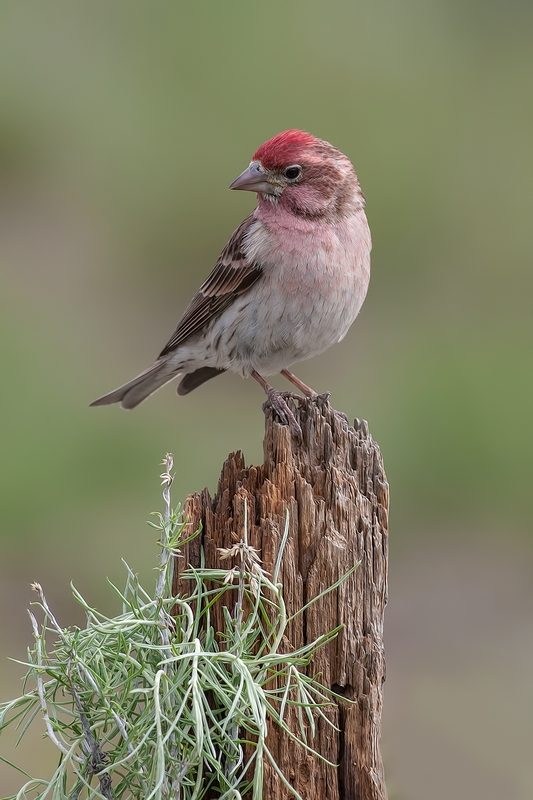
231	276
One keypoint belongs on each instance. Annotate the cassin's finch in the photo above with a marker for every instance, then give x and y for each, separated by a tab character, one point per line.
288	284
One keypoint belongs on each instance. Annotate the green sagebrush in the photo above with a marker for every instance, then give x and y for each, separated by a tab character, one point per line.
153	703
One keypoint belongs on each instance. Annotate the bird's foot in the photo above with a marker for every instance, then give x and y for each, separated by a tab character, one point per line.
279	405
314	396
291	396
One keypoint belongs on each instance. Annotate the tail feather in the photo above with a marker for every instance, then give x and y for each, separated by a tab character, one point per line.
135	391
194	379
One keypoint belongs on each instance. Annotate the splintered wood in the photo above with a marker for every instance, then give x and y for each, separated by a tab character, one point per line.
335	489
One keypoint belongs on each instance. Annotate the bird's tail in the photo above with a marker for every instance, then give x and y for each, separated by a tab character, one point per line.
134	392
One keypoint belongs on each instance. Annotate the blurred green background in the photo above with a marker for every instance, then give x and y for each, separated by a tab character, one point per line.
121	125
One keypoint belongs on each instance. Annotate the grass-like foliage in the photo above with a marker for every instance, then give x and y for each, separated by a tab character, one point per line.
154	703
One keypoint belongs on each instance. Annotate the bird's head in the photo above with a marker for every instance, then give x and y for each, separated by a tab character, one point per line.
304	175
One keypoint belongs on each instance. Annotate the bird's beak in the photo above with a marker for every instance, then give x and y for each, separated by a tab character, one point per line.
254	179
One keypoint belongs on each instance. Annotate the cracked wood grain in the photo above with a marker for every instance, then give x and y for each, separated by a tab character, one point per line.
334	486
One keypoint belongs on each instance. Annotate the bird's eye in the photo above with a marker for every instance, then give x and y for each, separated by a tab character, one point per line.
293	172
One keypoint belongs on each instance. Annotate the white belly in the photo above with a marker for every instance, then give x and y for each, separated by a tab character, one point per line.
300	307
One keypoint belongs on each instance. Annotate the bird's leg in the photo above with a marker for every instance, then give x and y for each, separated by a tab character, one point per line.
279	405
303	387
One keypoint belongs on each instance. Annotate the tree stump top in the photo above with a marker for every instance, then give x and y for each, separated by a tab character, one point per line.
334	487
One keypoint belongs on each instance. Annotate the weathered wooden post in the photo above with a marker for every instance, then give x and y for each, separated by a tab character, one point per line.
335	489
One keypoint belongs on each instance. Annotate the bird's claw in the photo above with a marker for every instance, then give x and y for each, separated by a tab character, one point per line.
324	396
280	406
291	396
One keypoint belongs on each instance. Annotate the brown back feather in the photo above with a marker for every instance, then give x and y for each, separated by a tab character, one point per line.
232	275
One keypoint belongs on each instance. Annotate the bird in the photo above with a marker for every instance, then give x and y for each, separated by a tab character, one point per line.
288	284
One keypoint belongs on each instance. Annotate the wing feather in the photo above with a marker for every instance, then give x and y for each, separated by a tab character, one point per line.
232	275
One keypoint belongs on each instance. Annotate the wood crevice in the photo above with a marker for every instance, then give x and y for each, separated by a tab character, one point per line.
334	486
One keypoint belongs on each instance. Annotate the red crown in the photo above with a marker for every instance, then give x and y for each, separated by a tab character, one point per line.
283	149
